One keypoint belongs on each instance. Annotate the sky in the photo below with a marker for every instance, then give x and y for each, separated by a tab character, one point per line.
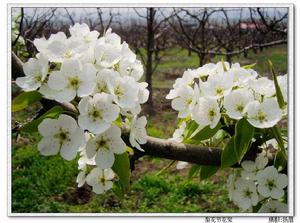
127	14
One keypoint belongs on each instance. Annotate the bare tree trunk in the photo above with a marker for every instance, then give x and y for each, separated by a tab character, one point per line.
150	50
201	57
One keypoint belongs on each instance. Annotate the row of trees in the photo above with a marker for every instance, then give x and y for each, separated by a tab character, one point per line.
207	32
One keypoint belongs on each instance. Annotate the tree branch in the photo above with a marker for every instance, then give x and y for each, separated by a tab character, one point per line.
156	147
20	27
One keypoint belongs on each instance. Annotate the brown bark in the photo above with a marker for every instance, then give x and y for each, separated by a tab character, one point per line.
150	51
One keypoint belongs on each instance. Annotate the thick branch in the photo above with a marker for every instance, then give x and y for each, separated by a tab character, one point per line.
167	149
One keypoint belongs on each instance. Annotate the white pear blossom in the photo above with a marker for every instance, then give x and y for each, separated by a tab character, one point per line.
125	91
245	195
100	180
217	85
102	79
107	55
111	38
271	183
133	69
236	101
273	206
185	101
181	165
72	79
83	33
104	146
265	114
250	168
178	134
262	86
231	185
186	80
138	134
143	94
36	71
127	53
218	68
97	113
83	161
60	135
81	177
103	74
59	48
206	112
48	92
242	76
204	71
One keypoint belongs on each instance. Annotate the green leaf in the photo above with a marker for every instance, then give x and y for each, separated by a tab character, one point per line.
207	171
257	207
33	126
277	134
279	95
24	99
189	129
228	157
250	66
219	137
193	171
280	161
118	189
243	135
122	168
205	133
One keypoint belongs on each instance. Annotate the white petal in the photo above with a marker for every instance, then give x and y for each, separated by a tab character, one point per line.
104	159
97	127
68	151
83	105
71	67
92	177
109	174
80	179
178	104
118	146
48	127
248	165
98	189
57	81
111	113
263	190
48	146
277	193
282	181
68	123
108	185
65	95
91	149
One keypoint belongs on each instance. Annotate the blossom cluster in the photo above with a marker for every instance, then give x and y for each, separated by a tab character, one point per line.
209	92
100	75
224	93
255	184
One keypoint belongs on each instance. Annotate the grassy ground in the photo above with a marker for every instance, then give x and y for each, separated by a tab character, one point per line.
47	184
